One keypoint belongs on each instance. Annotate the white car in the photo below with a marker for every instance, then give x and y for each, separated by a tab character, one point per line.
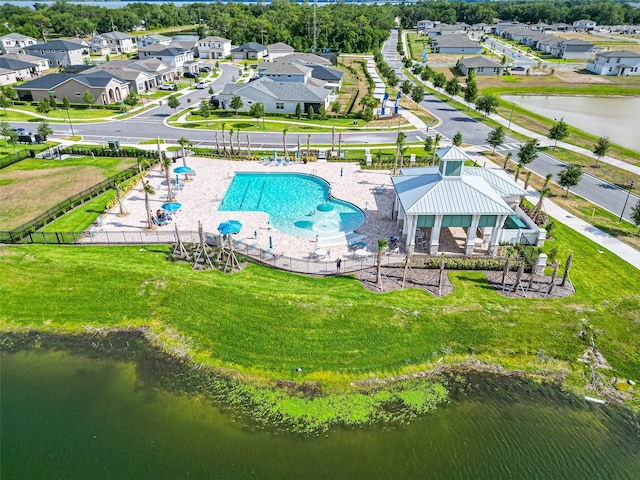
202	85
166	86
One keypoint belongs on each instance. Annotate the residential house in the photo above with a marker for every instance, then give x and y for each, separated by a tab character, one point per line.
584	25
424	25
116	42
22	70
142	75
39	64
480	65
7	77
616	62
60	53
560	27
574	48
305	58
214	47
321	74
15	43
481	201
176	57
249	51
444	29
279	49
457	44
104	88
277	97
154	39
284	71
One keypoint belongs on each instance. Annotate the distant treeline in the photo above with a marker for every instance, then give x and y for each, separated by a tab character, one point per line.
347	27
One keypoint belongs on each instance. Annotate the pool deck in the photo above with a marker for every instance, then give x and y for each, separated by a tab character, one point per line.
371	190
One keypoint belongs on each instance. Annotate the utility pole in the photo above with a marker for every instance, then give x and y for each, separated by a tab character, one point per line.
315	41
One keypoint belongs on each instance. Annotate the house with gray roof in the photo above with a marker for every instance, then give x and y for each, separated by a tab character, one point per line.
104	87
249	51
213	47
573	48
305	58
480	65
7	77
277	97
142	75
174	56
60	53
455	44
154	39
279	49
481	201
40	64
15	42
615	62
22	70
113	42
284	71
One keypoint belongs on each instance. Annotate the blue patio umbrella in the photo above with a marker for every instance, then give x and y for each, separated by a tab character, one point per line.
182	170
171	206
230	226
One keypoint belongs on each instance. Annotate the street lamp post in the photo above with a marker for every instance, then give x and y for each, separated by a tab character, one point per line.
631	184
70	124
513	105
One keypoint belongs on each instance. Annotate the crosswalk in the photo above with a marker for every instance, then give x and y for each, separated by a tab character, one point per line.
504	146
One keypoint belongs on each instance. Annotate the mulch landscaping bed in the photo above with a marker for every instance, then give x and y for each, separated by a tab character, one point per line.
427	279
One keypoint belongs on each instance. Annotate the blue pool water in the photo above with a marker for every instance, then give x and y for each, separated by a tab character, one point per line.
291	200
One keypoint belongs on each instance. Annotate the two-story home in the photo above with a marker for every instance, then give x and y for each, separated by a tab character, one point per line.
154	39
60	53
214	47
424	25
480	65
176	57
584	25
115	42
103	87
573	48
249	51
142	75
617	62
7	77
15	43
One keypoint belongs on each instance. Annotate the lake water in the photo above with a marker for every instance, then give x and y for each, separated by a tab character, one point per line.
614	117
75	417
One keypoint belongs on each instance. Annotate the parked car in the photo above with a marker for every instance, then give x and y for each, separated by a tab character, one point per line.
205	69
190	75
166	86
202	85
214	101
517	69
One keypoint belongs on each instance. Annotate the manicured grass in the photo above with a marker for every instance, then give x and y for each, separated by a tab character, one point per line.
80	218
13	116
75	114
265	323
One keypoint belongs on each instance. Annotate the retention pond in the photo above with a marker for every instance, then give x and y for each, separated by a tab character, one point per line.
75	417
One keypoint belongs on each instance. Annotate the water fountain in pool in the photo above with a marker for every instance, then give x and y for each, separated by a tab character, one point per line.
327	219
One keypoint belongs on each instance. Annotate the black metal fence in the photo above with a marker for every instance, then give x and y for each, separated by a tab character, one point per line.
109	152
11	158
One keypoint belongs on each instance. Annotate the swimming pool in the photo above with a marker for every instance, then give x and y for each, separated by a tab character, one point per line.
292	200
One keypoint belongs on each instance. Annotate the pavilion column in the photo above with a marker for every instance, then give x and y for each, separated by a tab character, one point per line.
410	222
471	235
434	240
493	242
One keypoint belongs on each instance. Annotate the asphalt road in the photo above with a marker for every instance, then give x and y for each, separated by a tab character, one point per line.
594	189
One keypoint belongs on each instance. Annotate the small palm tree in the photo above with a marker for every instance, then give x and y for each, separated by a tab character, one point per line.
184	142
436	141
382	246
166	161
284	141
536	211
231	140
224	145
148	190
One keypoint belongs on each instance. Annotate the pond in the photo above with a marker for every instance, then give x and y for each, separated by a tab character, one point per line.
74	416
614	117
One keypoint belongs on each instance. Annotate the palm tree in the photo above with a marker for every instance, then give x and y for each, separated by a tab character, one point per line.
224	145
284	141
217	143
547	180
333	138
238	141
230	140
382	246
148	190
166	161
123	211
184	142
536	211
436	141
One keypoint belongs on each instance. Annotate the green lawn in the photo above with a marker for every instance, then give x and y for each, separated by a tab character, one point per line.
80	218
75	113
265	323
